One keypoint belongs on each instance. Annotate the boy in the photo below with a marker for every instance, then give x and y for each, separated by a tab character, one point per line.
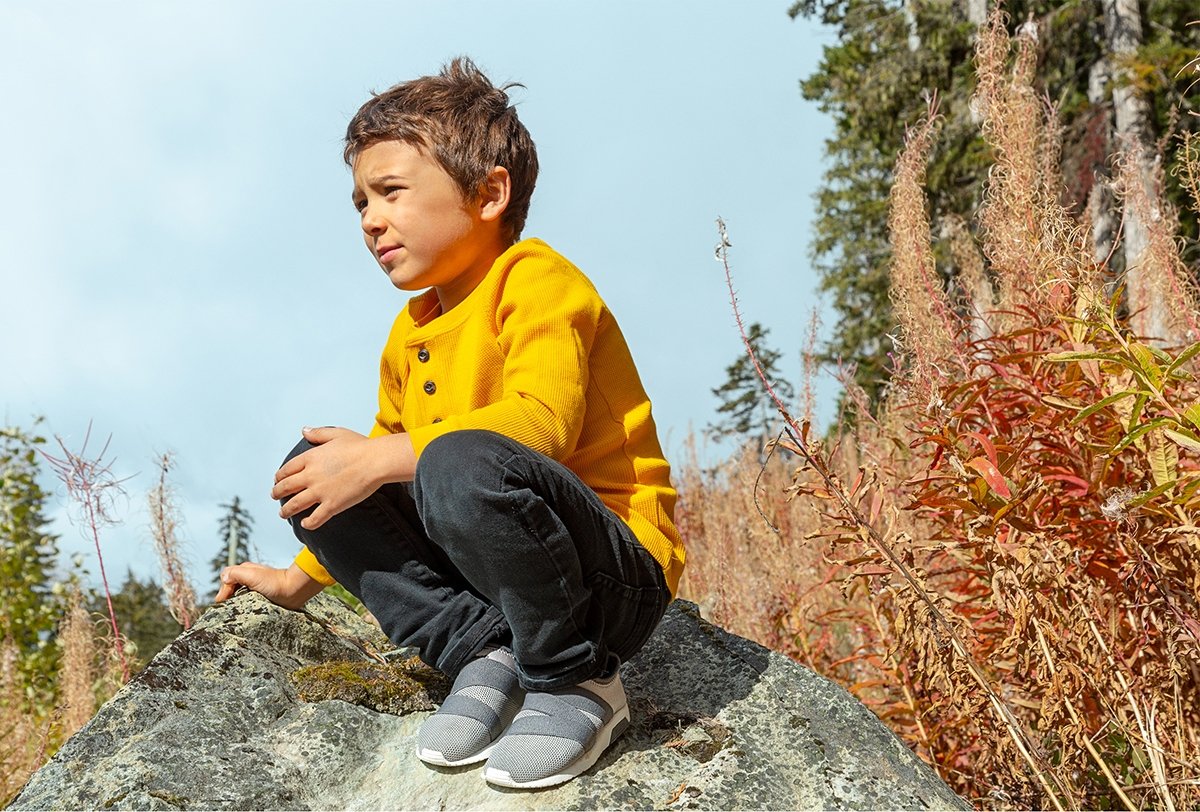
510	513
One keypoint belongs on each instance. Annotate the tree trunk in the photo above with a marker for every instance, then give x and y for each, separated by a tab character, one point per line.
977	11
1101	206
1131	116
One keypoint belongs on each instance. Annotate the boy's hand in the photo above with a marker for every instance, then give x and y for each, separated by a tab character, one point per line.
290	588
345	468
332	477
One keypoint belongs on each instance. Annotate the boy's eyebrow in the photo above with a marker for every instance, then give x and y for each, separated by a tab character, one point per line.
385	179
375	182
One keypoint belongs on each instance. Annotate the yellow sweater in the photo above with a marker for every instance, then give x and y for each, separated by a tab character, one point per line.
534	354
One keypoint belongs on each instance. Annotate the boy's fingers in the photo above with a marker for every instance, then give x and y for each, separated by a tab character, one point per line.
320	435
288	486
316	519
230	580
299	503
293	466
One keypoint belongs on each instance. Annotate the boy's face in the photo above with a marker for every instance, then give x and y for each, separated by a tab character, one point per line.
417	224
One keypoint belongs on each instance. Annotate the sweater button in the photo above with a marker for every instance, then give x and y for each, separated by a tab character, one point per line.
430	387
437	420
422	355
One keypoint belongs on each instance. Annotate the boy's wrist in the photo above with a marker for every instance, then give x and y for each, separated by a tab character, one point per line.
299	586
395	460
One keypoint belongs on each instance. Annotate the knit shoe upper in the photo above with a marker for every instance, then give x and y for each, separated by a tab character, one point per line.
485	698
559	734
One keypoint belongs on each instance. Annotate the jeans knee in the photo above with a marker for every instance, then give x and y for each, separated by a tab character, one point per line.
455	476
301	447
304	535
452	459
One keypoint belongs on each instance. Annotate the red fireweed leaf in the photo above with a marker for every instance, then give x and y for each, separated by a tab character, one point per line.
988	448
992	476
1082	486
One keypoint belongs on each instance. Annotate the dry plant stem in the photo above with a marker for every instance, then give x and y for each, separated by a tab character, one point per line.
904	685
87	480
1149	736
1181	782
922	308
94	529
809	358
1087	741
1169	600
163	517
800	445
758	479
76	699
1178	714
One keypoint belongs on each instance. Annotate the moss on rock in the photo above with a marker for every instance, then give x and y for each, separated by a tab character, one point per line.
395	688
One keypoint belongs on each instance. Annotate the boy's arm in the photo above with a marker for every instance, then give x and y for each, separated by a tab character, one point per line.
290	588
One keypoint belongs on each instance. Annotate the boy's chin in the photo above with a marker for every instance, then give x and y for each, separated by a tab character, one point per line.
409	285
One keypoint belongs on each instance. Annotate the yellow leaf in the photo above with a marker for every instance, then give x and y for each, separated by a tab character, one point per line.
1163	457
1188	441
1192	414
1145	360
1062	403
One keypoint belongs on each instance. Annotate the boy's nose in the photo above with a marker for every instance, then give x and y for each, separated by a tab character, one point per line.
372	224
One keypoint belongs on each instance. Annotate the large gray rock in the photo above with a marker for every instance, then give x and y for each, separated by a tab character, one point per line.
217	722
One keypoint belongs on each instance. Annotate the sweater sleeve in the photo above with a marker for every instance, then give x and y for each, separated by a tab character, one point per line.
312	567
546	321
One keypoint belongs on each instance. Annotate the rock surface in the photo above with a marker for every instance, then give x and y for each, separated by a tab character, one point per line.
216	722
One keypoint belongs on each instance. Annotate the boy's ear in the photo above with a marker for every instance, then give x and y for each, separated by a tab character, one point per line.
494	194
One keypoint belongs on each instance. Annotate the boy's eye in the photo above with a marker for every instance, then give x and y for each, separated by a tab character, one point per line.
359	205
391	190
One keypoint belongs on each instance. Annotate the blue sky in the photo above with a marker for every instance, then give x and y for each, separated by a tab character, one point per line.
182	268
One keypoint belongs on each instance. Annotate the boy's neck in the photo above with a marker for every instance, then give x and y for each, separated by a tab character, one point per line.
453	294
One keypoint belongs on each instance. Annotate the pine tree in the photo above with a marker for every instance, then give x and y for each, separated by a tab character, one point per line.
746	408
892	55
234	531
28	554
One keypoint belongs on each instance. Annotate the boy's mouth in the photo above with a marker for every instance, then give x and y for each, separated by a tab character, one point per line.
387	252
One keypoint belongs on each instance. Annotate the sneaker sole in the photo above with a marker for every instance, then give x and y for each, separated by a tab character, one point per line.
438	760
604	739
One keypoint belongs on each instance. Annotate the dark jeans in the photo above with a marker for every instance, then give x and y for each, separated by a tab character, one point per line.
496	544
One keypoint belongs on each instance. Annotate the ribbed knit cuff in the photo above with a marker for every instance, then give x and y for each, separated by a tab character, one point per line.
312	567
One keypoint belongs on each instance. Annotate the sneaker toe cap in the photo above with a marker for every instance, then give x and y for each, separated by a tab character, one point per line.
453	737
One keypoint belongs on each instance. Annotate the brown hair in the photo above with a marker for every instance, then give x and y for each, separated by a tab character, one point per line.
466	124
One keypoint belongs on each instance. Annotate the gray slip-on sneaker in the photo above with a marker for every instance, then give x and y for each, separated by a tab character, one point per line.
558	735
481	704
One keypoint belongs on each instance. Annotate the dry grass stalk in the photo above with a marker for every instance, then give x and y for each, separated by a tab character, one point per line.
181	597
1028	253
741	550
1188	167
23	733
928	324
77	671
91	485
809	358
1157	274
976	297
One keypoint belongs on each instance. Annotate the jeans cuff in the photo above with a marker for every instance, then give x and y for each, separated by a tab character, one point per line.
481	635
600	664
